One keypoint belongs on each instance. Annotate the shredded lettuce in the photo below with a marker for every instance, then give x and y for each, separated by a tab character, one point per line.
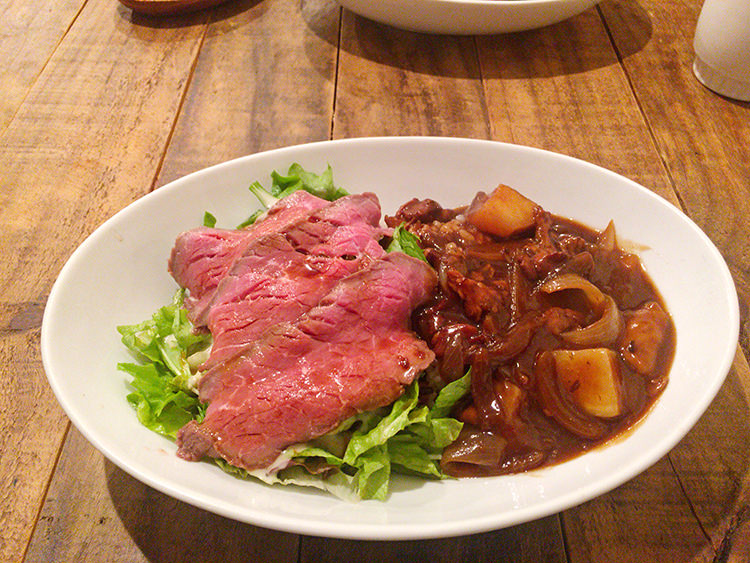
450	395
296	178
158	404
408	438
253	217
361	455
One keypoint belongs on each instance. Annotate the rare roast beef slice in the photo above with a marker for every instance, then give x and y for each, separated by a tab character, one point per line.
202	257
272	282
351	353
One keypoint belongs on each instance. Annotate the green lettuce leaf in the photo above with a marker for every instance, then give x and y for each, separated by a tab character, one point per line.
297	178
250	220
367	438
164	343
450	395
406	242
159	405
405	438
209	220
409	456
373	473
167	339
266	198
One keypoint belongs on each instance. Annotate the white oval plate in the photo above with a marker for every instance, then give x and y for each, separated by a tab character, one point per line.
467	17
119	276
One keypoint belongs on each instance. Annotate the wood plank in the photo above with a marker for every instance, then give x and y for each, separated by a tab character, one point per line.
30	34
32	428
530	542
703	140
84	143
232	113
562	88
713	463
394	82
646	519
96	512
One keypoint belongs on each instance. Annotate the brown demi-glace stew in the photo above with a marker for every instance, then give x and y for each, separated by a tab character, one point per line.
568	341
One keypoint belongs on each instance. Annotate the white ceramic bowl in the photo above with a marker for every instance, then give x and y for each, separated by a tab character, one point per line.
118	276
467	17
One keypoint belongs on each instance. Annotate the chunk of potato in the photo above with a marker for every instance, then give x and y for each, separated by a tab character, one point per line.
592	378
504	213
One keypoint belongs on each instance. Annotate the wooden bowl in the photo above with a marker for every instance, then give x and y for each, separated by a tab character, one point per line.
168	7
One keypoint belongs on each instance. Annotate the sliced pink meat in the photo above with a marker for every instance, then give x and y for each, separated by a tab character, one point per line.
202	257
353	352
273	282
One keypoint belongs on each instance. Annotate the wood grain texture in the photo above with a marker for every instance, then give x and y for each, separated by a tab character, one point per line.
265	79
535	542
29	35
82	145
32	428
96	512
394	82
713	462
169	7
645	519
560	88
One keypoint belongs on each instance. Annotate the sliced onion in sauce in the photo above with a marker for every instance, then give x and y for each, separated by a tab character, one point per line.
602	332
515	341
454	358
474	451
573	281
442	272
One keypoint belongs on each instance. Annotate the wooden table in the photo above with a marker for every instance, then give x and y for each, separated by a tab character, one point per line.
100	107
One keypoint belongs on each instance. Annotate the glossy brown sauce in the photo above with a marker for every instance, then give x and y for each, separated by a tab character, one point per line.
498	311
